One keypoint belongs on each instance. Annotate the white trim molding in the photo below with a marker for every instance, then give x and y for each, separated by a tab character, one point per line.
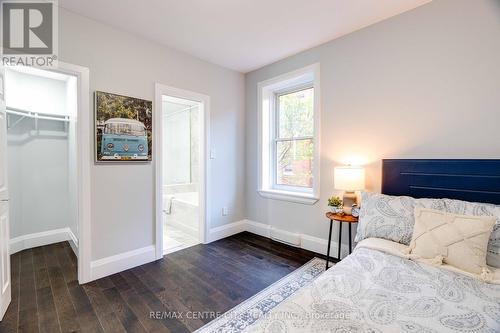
73	241
303	241
123	261
29	241
289	196
226	230
85	160
267	91
204	182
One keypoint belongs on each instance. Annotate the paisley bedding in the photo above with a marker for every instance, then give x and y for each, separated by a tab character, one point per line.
374	291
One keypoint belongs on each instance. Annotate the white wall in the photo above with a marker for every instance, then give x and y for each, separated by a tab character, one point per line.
46	95
39	190
424	84
123	195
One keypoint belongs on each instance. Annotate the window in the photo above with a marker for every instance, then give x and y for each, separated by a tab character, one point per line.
289	146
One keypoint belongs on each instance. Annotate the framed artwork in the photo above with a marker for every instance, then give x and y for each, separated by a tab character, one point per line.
123	128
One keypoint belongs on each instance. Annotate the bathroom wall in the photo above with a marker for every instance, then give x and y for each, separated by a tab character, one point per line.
177	149
181	148
195	145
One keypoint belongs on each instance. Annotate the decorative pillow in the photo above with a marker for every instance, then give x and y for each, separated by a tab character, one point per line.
480	209
458	240
390	217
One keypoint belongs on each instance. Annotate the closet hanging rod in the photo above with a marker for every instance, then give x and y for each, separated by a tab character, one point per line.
36	115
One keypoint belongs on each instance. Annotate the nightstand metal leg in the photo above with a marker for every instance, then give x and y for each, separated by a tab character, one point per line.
350	238
329	242
340	238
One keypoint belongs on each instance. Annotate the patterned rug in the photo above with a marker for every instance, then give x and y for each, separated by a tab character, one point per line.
248	312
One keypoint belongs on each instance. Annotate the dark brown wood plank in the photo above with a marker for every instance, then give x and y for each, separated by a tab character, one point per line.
62	298
103	309
28	309
47	314
212	278
137	304
126	316
152	291
86	316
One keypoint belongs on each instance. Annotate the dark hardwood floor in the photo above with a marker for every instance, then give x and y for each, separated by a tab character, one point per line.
183	291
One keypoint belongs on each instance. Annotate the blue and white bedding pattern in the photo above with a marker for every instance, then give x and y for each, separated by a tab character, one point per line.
373	291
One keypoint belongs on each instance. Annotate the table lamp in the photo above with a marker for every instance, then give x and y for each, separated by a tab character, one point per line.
349	179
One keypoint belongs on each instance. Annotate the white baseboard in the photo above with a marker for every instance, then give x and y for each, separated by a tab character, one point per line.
73	242
284	236
226	230
120	262
43	238
258	228
320	245
306	242
123	261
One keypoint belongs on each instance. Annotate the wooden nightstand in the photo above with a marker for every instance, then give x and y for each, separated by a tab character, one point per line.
341	219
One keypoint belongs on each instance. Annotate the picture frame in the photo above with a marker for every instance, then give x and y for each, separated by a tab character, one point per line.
123	128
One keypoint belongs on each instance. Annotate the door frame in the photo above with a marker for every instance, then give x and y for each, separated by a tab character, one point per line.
204	186
85	160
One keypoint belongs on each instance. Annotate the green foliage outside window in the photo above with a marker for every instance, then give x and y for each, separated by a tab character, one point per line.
295	147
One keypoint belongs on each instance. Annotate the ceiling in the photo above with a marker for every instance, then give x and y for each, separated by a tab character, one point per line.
242	35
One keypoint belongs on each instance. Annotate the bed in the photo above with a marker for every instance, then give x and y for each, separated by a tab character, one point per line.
373	291
378	289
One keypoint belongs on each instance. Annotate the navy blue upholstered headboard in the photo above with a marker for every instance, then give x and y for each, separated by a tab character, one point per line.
470	180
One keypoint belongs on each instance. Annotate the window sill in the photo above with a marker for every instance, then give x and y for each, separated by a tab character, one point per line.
302	198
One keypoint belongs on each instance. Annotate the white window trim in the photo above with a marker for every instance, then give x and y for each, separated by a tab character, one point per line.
266	110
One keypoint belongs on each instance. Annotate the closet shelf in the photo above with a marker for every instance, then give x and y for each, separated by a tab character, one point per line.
36	115
23	114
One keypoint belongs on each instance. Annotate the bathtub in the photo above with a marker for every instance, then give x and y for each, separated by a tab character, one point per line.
188	198
181	211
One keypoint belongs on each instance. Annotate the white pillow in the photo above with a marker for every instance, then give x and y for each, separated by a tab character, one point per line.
458	240
390	217
480	209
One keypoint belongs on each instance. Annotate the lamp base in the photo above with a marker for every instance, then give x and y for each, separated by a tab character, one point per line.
349	199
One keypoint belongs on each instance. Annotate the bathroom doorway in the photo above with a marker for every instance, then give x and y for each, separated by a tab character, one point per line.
181	167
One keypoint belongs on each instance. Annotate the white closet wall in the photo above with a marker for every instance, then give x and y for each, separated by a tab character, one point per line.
41	159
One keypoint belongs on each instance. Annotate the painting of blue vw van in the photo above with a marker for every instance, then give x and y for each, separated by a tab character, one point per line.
123	128
124	139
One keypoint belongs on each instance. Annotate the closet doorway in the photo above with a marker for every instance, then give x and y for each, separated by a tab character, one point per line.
181	168
48	160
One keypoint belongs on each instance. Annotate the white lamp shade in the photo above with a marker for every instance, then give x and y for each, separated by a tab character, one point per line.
349	178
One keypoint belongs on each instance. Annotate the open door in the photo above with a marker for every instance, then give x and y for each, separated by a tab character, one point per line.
5	292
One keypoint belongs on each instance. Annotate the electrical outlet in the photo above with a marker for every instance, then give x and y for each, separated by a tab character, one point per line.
213	155
225	211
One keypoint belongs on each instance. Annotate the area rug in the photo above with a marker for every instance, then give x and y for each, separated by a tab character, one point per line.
248	312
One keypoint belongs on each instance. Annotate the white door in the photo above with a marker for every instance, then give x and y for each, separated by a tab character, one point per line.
3	139
5	293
